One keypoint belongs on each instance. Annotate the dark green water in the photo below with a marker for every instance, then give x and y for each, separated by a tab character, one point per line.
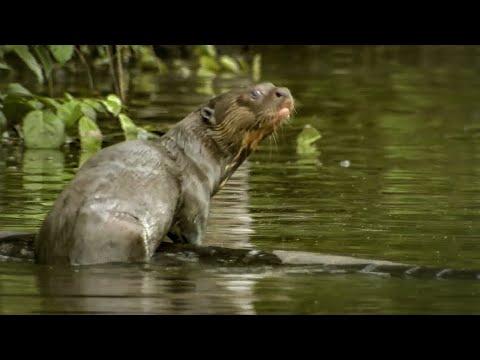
407	120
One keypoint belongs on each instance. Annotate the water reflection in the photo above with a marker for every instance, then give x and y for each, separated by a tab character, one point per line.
43	169
149	289
190	288
230	221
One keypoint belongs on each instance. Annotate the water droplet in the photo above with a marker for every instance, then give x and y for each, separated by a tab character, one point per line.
345	163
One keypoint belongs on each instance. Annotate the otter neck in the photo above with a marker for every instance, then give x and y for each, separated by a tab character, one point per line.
215	163
239	149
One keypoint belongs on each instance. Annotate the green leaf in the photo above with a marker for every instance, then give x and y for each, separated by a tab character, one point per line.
162	67
16	89
202	72
146	135
206	88
37	105
147	58
70	112
113	104
256	67
209	63
306	140
44	56
52	103
183	71
97	105
3	121
43	130
129	128
16	104
84	156
69	97
132	131
229	64
4	66
308	135
85	49
29	60
61	53
90	135
88	111
209	50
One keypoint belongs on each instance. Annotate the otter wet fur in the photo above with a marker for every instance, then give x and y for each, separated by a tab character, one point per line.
130	196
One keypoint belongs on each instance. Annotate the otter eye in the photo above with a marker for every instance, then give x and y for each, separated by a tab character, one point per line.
255	94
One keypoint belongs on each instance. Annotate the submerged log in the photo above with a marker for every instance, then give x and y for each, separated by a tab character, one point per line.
19	246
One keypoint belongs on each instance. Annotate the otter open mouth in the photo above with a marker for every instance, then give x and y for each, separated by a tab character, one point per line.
285	111
282	115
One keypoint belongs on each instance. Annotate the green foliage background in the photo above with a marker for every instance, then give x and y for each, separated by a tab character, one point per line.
47	122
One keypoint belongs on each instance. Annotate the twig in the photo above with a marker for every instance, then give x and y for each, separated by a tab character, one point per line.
112	70
89	73
121	79
50	84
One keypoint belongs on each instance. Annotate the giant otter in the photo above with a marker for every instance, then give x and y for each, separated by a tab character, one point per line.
128	197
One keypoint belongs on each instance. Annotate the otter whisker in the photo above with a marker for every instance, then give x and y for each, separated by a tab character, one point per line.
274	138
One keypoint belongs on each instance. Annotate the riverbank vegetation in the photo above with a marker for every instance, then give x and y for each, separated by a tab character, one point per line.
48	120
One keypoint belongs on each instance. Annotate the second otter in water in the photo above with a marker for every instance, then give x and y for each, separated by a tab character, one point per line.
128	197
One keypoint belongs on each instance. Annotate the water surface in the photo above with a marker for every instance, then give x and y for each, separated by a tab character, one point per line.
395	177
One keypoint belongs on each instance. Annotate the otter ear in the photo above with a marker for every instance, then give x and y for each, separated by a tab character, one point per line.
208	114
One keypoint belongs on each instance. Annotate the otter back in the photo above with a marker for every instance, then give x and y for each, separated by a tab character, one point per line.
119	201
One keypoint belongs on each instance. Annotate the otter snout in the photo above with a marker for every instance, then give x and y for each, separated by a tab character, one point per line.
284	98
282	92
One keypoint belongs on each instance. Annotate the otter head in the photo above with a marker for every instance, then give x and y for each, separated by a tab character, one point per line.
240	119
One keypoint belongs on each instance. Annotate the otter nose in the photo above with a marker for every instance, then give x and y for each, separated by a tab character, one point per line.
282	92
